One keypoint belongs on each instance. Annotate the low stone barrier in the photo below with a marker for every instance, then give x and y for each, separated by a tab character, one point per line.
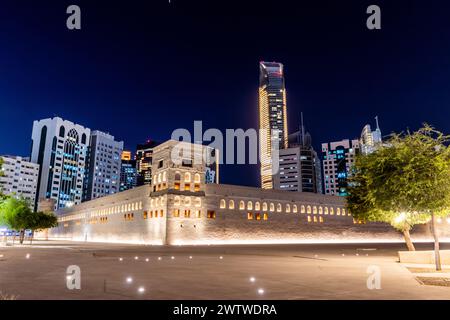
423	257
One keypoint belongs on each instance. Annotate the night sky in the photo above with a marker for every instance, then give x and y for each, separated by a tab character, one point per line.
140	69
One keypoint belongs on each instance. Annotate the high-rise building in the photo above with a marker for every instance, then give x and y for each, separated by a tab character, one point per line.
338	158
299	165
144	155
128	172
60	148
272	117
103	166
19	177
370	140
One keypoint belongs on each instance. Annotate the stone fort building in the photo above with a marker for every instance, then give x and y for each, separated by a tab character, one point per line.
184	206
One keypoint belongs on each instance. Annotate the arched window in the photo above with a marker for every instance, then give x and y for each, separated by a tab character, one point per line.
302	209
62	131
264	206
288	208
320	210
83	138
343	211
241	205
314	210
152	203
198	202
164	176
187	177
308	209
157	202
257	206
177	176
294	208
187	201
177	200
331	211
272	207
249	205
326	210
338	211
279	207
163	201
196	178
223	204
159	178
155	179
231	204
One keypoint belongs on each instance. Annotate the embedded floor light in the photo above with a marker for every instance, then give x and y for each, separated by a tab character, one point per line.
260	291
129	280
220	257
120	259
141	289
146	260
252	279
27	256
136	258
190	257
159	258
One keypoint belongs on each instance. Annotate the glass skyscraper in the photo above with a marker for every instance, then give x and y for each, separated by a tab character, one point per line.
272	117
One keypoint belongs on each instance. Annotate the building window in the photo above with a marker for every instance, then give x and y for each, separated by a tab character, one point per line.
222	204
320	219
331	211
198	202
177	176
266	216
314	210
211	214
294	208
288	208
187	177
177	200
187	187
338	211
145	215
279	207
257	206
176	213
198	214
196	187
177	186
161	213
272	207
320	210
315	219
264	206
343	211
309	218
164	177
249	216
308	209
196	178
187	201
326	210
249	205
231	204
187	213
258	216
302	209
241	205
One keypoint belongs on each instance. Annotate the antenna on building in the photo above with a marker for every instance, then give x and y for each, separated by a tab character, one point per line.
376	120
302	129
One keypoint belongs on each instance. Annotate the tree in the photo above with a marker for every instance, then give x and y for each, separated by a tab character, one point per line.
404	183
43	220
14	213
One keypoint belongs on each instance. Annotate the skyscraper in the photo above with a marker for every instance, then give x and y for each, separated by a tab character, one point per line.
103	166
272	118
299	165
19	178
144	155
60	148
128	172
338	158
370	140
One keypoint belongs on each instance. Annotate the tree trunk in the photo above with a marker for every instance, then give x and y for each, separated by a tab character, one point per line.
21	236
437	255
408	241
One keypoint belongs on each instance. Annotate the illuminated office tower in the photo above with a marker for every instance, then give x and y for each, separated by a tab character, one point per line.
60	148
144	156
338	158
272	118
370	140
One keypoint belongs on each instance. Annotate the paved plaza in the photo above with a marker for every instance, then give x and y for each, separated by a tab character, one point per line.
113	271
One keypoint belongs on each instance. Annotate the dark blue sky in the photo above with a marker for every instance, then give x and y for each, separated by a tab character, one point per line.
140	69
